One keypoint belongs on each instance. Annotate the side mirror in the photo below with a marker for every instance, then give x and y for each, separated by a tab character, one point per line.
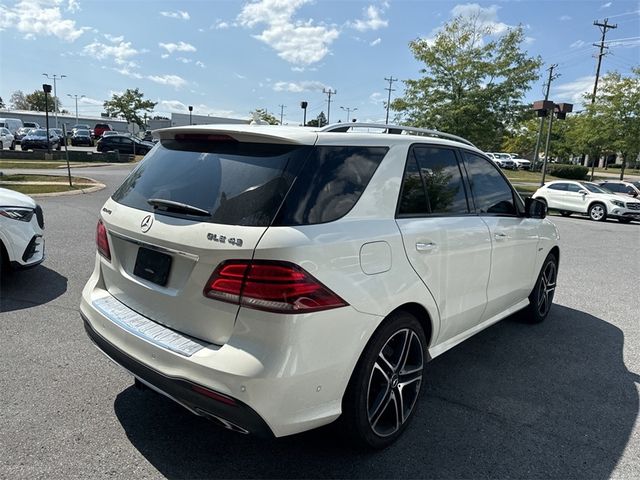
535	208
583	192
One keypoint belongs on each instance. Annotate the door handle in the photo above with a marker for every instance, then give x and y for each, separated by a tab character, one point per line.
500	236
425	247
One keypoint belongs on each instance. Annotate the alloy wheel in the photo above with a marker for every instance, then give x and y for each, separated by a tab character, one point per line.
597	212
394	383
547	288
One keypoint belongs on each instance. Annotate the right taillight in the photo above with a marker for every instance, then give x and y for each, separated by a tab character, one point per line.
273	286
102	241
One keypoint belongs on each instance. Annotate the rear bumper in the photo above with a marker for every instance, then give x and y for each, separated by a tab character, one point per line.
238	417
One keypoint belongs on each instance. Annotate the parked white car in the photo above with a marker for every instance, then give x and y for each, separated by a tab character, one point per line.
587	198
7	140
522	163
273	279
625	189
21	230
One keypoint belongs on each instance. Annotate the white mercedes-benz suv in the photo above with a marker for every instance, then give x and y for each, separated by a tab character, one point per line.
274	279
21	231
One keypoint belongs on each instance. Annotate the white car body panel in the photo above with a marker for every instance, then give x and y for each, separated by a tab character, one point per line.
16	235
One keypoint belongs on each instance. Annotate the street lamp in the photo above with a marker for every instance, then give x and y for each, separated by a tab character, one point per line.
303	106
76	97
190	110
55	92
47	90
549	108
349	110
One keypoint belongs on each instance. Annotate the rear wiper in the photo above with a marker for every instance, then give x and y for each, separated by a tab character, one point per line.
167	205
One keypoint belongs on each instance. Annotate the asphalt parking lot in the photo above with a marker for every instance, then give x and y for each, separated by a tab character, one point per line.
555	400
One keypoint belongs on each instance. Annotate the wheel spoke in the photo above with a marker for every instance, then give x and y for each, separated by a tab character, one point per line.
384	366
406	348
380	408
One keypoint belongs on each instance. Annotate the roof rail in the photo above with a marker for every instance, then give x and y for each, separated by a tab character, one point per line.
394	129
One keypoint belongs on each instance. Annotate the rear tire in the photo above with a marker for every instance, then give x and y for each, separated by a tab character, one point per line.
13	145
382	395
598	212
541	297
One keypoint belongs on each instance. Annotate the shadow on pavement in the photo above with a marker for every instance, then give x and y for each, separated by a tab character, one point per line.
519	401
28	288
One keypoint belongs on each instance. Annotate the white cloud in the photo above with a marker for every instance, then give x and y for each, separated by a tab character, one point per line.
296	41
184	60
376	98
529	40
177	47
606	5
179	14
120	52
237	75
90	101
168	106
371	20
573	91
128	73
172	80
487	17
73	6
220	25
39	17
297	87
164	55
113	38
565	18
377	41
577	44
200	64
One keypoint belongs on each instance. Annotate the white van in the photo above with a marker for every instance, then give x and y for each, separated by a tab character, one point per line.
13	124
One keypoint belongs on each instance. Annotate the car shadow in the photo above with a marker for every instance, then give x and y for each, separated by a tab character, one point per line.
518	401
28	288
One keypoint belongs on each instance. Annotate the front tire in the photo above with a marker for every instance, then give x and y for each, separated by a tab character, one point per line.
541	297
598	212
384	388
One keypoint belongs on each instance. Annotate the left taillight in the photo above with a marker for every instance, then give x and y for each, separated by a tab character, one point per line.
274	286
102	241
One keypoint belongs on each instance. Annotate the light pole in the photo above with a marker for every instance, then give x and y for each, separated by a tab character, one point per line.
47	90
303	106
76	97
190	110
349	110
55	92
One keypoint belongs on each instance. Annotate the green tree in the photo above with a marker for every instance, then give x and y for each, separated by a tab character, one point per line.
263	115
129	105
319	121
36	101
522	138
2	105
472	85
618	105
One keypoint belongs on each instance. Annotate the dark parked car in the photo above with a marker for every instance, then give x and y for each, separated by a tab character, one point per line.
82	137
37	139
60	134
123	144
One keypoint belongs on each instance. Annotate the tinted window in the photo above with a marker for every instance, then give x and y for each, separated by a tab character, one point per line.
491	192
239	183
572	187
615	187
330	184
442	177
413	199
558	186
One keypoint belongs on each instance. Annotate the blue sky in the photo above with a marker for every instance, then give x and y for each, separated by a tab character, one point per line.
227	58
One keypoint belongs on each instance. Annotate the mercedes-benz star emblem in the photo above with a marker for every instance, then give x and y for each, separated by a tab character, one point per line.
146	223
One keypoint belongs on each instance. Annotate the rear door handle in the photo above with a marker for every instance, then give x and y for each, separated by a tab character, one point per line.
425	247
500	236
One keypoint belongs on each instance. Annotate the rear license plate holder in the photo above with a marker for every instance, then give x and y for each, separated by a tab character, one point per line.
153	266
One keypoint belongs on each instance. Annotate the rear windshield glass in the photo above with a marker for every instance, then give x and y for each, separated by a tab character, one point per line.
246	183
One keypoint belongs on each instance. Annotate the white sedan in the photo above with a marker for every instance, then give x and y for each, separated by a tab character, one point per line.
569	196
7	140
522	163
21	230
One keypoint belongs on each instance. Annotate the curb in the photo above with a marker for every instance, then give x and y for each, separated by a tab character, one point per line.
95	188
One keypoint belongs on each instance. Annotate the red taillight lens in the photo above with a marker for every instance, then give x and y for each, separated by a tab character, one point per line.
215	395
102	241
280	287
